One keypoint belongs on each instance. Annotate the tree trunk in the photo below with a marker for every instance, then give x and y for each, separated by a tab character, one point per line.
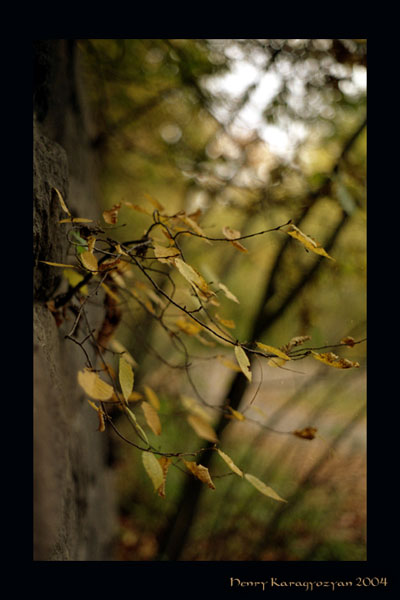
74	507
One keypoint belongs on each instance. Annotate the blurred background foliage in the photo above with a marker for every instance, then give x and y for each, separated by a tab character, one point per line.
252	133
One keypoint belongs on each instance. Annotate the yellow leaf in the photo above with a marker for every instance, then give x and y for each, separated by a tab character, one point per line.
349	341
53	264
74	278
152	397
331	359
296	341
230	234
76	220
154	202
135	396
109	264
111	216
152	418
193	277
110	292
308	242
230	463
188	326
194	226
61	200
226	322
229	363
236	414
137	208
192	406
165	463
243	361
164	254
200	472
202	428
272	350
277	362
228	293
89	261
308	433
261	487
126	377
101	415
120	250
238	246
153	469
95	388
91	240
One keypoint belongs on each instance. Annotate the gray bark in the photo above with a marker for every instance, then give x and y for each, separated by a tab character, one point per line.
74	504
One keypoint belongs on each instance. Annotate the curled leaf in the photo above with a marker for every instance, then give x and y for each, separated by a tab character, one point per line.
243	361
153	469
308	433
228	293
89	261
295	341
349	341
230	463
165	463
109	264
333	360
308	242
200	472
95	388
101	415
111	216
232	235
61	200
261	487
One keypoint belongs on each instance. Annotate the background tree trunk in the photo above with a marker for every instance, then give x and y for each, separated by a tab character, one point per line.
74	506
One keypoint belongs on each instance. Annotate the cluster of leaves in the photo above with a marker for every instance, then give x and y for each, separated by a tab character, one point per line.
157	256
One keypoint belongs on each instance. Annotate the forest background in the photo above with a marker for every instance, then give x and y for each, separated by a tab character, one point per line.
243	136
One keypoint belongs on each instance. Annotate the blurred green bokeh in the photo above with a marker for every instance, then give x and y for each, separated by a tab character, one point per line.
252	133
